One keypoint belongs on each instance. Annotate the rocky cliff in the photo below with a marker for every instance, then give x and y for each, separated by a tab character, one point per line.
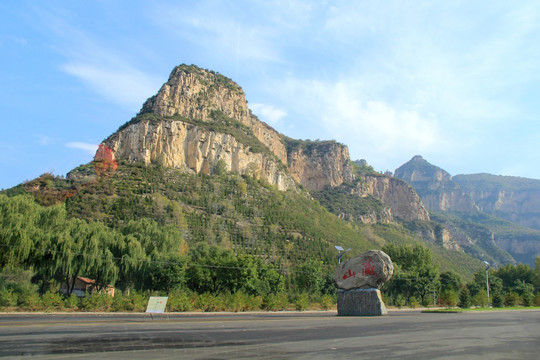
320	165
199	118
508	197
435	186
183	145
403	201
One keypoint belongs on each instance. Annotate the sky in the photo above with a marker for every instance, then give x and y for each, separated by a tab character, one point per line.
457	82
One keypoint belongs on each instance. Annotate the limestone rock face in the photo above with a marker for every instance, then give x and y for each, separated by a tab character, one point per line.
324	164
194	93
435	186
403	201
186	146
368	270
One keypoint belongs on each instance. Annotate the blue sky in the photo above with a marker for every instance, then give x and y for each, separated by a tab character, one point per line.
456	81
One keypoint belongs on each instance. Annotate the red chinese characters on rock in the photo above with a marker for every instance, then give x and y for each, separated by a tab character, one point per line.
104	161
368	268
348	275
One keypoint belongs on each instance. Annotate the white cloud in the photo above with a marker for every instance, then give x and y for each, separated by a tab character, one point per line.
88	148
268	113
125	86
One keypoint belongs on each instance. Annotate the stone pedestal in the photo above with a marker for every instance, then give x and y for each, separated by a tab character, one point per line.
360	302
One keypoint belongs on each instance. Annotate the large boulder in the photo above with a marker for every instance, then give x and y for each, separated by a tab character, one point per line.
368	270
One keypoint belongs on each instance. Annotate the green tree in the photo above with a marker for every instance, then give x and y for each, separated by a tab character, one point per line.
450	280
464	298
18	231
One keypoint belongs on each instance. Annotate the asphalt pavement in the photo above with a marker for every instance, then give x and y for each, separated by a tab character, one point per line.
282	335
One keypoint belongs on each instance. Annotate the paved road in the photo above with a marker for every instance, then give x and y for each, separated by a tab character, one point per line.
400	335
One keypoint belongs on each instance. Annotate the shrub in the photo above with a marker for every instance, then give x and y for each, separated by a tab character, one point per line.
181	301
121	302
8	298
301	302
536	300
71	302
52	301
464	298
30	301
208	302
399	301
448	298
480	299
511	299
497	299
327	302
97	302
276	302
413	302
138	301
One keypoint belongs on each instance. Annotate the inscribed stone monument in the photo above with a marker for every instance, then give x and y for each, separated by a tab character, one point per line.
359	280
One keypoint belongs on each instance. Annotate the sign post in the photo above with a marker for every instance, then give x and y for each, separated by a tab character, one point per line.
156	305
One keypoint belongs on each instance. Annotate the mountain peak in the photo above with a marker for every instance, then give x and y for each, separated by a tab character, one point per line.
193	93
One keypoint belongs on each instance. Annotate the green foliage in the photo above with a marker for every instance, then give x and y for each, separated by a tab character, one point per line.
450	280
52	301
480	299
497	299
276	302
511	299
448	298
8	298
301	301
464	298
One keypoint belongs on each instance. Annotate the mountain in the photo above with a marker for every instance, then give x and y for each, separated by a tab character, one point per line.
196	158
486	213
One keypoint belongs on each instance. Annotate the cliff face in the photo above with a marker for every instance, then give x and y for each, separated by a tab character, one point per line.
326	164
182	145
194	93
435	186
511	198
403	201
181	132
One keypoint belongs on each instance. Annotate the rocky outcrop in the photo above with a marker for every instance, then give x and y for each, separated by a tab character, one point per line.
323	164
509	197
403	201
435	186
194	93
182	145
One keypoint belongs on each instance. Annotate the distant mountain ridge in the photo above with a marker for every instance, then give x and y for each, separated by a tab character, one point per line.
506	197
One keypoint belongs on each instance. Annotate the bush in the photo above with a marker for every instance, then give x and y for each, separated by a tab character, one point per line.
527	298
72	302
497	300
480	299
30	301
536	300
448	298
413	302
301	302
399	301
8	298
464	298
121	302
208	302
138	301
52	301
181	301
511	299
327	302
276	302
97	302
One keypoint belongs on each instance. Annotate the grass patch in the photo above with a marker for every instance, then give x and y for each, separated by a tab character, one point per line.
456	310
